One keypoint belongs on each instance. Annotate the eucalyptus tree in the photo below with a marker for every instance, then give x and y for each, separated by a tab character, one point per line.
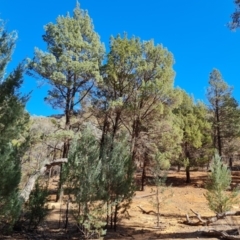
224	110
14	131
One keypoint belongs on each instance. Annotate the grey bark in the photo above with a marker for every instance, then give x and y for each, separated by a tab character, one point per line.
26	191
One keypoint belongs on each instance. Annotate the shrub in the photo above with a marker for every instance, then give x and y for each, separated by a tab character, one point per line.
219	180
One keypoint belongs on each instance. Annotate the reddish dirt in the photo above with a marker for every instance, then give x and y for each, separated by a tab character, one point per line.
177	201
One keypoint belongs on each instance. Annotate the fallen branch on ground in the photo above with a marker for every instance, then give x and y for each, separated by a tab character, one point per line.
26	191
147	212
222	234
208	221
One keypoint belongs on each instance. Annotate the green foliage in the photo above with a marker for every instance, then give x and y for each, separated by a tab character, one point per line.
138	94
82	179
92	224
14	132
97	185
36	209
159	172
196	141
224	114
71	64
219	181
117	177
235	17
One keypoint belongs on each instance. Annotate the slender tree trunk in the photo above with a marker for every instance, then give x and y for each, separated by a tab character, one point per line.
116	124
107	219
143	175
111	225
178	167
158	208
219	139
135	135
105	130
115	217
230	163
188	179
65	151
67	210
187	155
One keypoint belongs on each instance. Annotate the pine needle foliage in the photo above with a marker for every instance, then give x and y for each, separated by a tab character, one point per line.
36	208
13	132
82	182
219	180
98	187
117	178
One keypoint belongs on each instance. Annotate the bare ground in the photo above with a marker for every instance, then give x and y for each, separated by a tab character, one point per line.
176	203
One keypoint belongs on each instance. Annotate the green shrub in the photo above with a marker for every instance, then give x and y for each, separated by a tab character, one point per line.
36	208
219	180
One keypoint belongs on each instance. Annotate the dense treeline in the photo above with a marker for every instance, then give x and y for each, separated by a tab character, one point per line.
121	115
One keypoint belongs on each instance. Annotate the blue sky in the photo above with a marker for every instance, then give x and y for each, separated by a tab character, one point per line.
194	31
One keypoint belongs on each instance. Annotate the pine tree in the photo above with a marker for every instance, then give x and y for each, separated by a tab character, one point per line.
219	181
99	187
13	129
117	177
82	179
137	92
196	140
70	66
225	117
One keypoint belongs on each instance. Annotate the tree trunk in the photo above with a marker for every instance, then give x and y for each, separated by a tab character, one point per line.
143	178
187	155
143	175
219	139
230	163
188	179
105	129
158	208
115	217
135	135
178	167
65	149
60	189
26	191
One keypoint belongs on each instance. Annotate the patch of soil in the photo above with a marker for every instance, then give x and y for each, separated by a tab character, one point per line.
177	201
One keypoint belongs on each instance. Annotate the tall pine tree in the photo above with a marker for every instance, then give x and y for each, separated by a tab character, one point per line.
70	66
224	111
195	127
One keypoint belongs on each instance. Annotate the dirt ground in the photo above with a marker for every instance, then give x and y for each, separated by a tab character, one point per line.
176	202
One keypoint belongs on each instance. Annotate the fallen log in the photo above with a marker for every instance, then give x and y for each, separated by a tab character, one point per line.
208	221
222	234
56	162
26	191
147	212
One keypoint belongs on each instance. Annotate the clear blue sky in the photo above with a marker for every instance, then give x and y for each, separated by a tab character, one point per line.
194	31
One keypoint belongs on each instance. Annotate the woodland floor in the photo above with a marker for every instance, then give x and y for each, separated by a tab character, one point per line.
177	202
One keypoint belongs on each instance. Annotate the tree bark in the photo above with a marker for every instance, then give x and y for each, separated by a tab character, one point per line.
219	140
188	179
26	191
209	220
